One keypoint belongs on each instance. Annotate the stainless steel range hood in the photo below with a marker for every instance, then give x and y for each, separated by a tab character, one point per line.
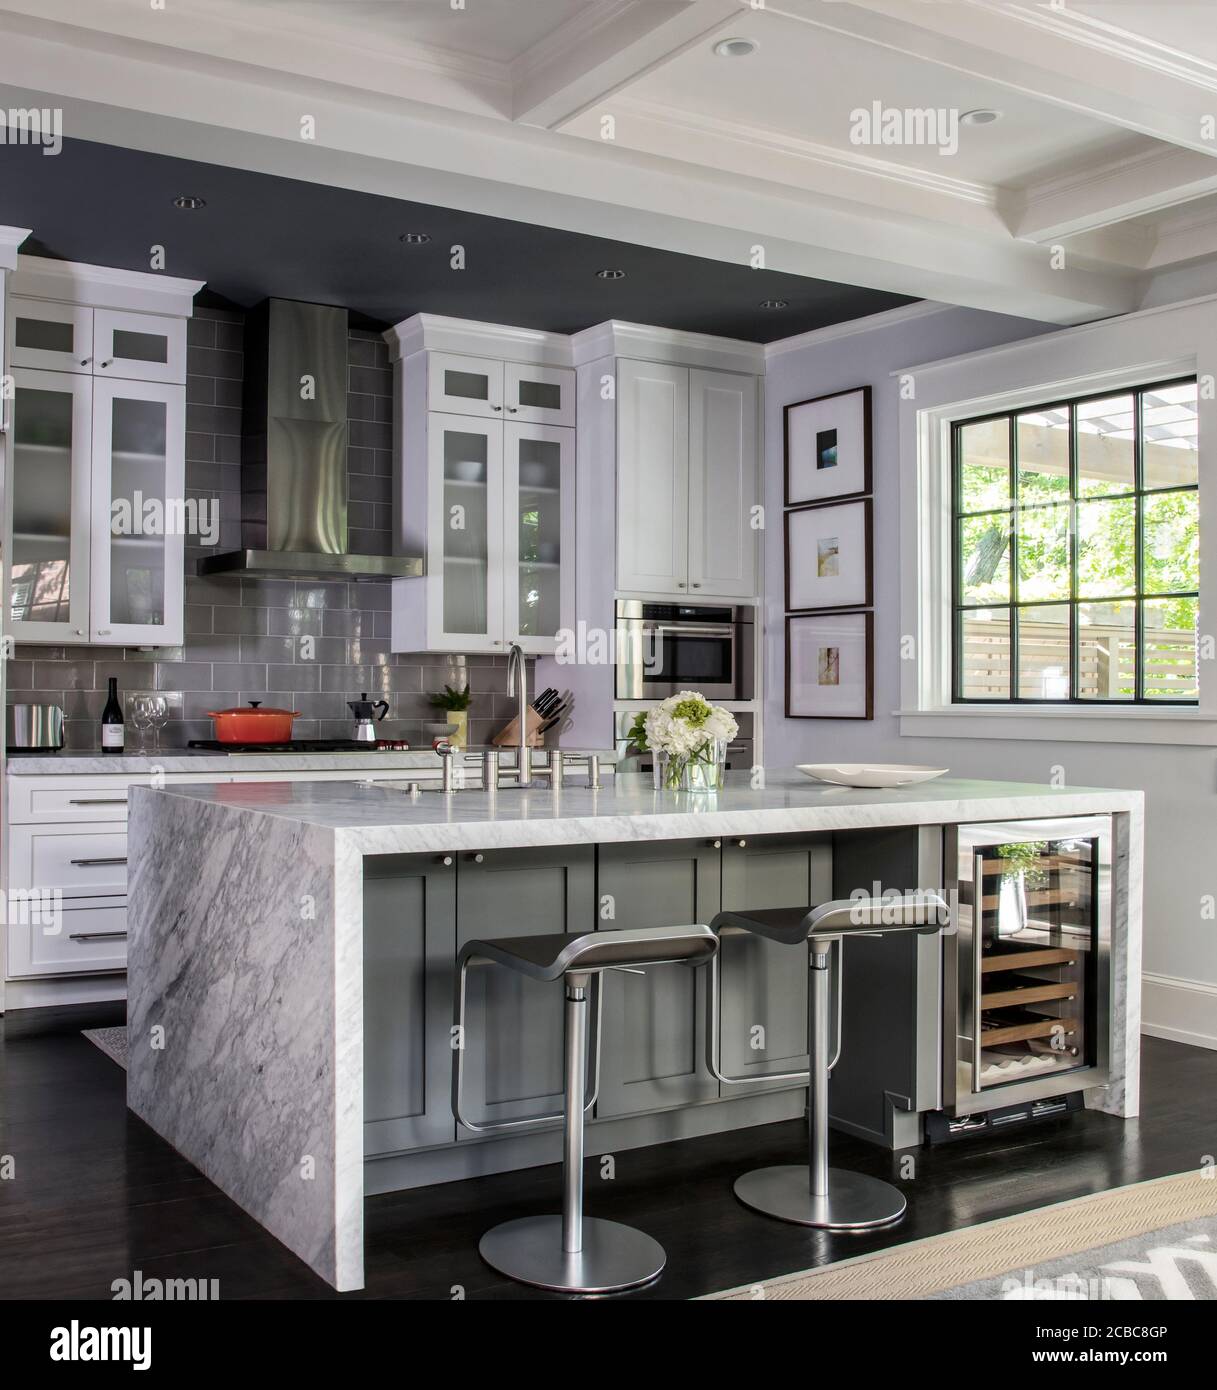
294	452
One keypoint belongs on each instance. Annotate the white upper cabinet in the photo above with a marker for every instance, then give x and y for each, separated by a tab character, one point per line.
94	447
538	395
652	477
465	385
723	484
140	347
687	481
58	337
485	481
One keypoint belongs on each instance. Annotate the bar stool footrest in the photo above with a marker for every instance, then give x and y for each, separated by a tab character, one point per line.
855	1201
613	1257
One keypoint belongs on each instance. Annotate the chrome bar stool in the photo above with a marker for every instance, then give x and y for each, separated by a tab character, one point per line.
572	1253
816	1195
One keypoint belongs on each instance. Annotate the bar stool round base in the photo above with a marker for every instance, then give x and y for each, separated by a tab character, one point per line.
854	1201
613	1257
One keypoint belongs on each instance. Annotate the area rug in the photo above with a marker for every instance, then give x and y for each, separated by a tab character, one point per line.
1153	1240
112	1041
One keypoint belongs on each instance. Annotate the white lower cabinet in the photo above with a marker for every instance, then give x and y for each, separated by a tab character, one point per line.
66	863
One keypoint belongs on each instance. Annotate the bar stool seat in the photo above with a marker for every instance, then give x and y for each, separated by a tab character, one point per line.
572	1253
830	1199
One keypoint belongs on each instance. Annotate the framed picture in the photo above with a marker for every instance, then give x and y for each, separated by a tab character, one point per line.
828	447
830	666
829	556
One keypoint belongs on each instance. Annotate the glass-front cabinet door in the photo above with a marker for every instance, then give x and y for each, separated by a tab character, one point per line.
465	385
538	544
538	395
1032	993
55	337
139	347
465	543
48	507
139	513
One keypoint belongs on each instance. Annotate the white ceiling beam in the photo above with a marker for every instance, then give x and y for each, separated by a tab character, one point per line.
1038	51
169	102
1099	198
602	50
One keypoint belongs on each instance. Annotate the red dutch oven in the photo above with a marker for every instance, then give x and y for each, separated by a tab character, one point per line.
253	724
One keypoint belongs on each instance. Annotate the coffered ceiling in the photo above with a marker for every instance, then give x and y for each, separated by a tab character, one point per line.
617	118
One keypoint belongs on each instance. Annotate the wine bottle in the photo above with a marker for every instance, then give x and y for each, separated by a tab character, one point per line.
112	721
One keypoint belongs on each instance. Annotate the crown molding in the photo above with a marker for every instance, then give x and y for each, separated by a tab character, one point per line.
810	151
647	343
104	287
441	333
869	323
10	239
576	33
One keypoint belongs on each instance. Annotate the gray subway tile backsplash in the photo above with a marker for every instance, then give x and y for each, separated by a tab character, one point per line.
242	634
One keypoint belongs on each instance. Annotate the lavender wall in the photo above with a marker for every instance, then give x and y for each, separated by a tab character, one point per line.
243	637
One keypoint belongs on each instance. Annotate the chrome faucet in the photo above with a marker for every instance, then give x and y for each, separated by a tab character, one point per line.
517	685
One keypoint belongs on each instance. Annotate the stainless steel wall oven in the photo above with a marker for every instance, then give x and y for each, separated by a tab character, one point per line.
663	648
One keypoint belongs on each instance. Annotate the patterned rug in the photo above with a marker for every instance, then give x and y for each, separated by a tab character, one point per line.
112	1041
1153	1240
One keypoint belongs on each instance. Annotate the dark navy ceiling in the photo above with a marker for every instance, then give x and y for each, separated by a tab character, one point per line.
260	235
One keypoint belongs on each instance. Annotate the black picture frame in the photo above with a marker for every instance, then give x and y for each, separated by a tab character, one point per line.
868	618
867	505
867	467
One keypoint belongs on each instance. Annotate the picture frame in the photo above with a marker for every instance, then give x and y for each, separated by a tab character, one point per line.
829	556
827	447
830	665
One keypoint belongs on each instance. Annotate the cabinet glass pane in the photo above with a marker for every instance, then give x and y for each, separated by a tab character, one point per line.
541	395
466	557
42	505
1036	920
470	386
138	513
540	537
43	335
141	347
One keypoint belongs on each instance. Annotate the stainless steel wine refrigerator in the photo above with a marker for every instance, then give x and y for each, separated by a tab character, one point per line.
1027	973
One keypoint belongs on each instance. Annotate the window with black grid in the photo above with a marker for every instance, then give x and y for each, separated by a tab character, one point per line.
1076	558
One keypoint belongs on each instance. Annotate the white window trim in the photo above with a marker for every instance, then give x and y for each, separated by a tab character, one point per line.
1111	355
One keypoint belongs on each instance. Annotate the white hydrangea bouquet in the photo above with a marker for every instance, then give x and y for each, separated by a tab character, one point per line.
689	738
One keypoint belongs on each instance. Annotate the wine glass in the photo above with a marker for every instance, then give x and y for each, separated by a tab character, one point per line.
158	713
139	711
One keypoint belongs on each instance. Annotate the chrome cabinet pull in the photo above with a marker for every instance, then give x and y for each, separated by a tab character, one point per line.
97	936
89	863
97	801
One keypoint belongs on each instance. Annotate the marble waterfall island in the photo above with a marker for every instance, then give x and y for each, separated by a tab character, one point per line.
292	950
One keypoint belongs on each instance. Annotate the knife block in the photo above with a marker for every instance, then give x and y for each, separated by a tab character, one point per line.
510	734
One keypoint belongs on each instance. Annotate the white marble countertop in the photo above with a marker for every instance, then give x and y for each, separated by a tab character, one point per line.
383	818
97	764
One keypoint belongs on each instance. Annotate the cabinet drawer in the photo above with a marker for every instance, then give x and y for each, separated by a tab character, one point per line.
87	940
81	861
62	799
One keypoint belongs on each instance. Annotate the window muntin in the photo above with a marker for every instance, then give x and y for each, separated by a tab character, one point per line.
1075	553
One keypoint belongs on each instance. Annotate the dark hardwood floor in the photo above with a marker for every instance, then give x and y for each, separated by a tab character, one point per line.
96	1195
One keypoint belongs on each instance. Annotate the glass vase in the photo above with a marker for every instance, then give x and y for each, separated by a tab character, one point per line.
703	771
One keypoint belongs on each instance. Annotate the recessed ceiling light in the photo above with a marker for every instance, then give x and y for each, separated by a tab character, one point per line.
983	115
415	238
775	304
610	274
735	48
189	204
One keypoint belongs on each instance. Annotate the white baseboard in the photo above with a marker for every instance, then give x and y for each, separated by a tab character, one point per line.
72	989
1180	1010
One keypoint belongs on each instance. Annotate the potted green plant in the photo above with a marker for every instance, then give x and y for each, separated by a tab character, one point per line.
456	703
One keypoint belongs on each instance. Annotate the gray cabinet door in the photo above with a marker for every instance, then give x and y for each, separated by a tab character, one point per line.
513	1025
409	952
764	984
654	1054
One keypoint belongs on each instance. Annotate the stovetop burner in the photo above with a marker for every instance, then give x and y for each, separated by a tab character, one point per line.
303	745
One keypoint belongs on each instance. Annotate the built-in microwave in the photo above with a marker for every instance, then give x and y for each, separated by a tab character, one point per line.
662	648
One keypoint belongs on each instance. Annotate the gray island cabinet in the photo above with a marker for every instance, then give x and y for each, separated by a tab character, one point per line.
296	1044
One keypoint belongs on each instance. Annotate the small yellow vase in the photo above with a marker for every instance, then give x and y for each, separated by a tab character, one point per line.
459	717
